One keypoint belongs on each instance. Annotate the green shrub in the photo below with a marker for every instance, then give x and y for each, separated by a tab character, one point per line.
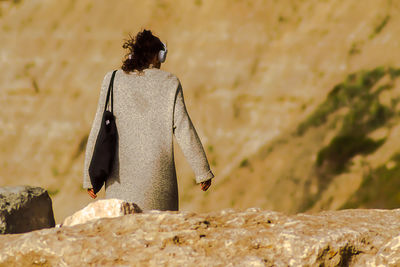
379	27
363	115
379	189
352	93
336	155
244	163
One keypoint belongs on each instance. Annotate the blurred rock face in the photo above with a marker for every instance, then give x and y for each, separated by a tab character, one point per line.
227	238
105	208
24	209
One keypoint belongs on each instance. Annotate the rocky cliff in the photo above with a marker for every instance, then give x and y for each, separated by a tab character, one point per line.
253	73
251	237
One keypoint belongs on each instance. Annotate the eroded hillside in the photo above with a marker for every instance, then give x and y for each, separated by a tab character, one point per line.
343	155
253	72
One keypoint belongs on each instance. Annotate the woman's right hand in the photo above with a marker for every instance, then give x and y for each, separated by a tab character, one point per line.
91	193
205	185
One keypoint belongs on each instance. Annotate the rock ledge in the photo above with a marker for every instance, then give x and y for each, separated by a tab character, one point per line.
251	237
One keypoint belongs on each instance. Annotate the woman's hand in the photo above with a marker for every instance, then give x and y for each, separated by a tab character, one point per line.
205	185
91	193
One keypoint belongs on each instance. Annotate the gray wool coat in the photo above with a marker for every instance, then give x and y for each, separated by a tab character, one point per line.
149	110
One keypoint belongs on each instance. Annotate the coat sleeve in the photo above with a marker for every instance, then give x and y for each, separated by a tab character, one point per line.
94	131
188	140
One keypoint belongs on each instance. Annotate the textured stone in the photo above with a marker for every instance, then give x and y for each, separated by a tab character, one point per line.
24	209
227	238
105	208
388	255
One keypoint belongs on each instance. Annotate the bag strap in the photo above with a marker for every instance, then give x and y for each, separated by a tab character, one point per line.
110	90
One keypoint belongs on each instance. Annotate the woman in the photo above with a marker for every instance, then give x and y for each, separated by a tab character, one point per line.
149	109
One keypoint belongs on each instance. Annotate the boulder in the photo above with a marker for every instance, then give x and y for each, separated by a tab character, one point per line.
105	208
24	209
251	237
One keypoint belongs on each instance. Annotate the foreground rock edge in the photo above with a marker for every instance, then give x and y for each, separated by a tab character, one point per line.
250	237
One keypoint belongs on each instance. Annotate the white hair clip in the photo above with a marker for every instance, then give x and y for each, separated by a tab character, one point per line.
162	55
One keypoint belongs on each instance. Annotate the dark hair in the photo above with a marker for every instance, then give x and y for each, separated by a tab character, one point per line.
142	49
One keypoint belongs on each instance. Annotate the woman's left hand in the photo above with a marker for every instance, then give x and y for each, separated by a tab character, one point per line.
205	185
91	193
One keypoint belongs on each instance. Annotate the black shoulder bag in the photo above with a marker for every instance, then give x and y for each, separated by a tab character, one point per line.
103	156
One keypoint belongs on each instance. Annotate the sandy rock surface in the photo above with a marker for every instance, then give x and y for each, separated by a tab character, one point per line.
104	208
24	209
226	238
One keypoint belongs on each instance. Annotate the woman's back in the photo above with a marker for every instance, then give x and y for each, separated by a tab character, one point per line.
149	109
143	106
